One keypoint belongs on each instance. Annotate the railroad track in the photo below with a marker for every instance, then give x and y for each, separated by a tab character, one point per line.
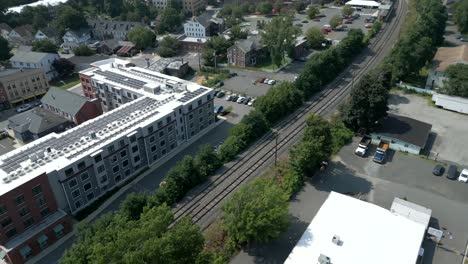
205	202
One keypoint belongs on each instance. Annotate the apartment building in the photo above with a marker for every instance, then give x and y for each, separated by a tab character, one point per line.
109	29
158	115
189	6
18	85
30	220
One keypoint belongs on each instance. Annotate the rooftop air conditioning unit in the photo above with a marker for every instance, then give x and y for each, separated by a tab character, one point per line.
324	259
336	240
13	175
6	179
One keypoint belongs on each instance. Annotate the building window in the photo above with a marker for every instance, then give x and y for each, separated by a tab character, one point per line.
123	153
40	201
81	165
6	222
58	230
125	163
161	133
113	159
2	209
136	158
44	212
118	178
11	233
128	172
78	204
72	183
37	190
190	117
69	172
168	119
160	124
134	149
19	200
76	193
87	186
151	139
110	149
90	196
115	169
150	130
163	151
122	143
153	148
26	252
43	241
101	169
84	176
24	211
103	179
29	222
97	158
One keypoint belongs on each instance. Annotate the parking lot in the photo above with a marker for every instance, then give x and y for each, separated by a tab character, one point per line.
238	110
449	128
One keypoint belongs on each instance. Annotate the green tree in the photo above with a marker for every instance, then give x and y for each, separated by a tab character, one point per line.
299	6
133	205
70	18
206	161
368	101
208	56
335	21
142	37
45	45
171	20
257	212
315	38
457	82
219	44
312	12
461	16
63	66
4	49
341	135
83	50
168	47
238	33
279	36
318	130
264	7
347	10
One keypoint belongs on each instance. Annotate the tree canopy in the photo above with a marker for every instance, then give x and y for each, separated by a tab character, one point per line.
312	12
347	10
457	82
142	37
461	16
70	18
279	36
170	20
63	66
168	47
335	21
83	50
315	38
45	45
257	212
4	49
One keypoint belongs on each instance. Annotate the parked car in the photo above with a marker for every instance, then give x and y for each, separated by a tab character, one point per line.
363	146
218	109
229	98
221	94
463	176
305	21
266	80
321	15
234	98
316	19
247	100
451	172
368	25
261	80
251	102
37	103
219	84
271	82
23	108
438	170
240	100
232	74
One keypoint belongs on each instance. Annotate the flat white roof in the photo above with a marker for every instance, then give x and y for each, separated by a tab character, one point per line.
368	234
363	3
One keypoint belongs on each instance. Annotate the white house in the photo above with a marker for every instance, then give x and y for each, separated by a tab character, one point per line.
35	60
444	57
75	38
205	25
49	33
5	30
402	133
22	35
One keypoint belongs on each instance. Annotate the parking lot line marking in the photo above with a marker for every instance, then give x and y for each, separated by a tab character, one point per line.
2	146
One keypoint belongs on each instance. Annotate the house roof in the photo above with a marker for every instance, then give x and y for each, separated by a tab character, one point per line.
64	100
29	56
36	120
50	32
405	129
249	44
110	43
109	25
446	56
79	33
364	233
87	59
5	26
25	30
205	17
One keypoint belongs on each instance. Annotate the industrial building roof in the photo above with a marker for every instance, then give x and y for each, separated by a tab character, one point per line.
347	230
405	129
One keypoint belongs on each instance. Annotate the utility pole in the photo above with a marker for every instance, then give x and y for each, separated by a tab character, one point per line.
276	134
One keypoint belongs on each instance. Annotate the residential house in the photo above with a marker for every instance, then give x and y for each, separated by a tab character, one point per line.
75	38
188	6
107	29
402	133
246	52
444	57
5	30
19	85
36	123
22	35
108	46
204	25
72	106
35	60
51	33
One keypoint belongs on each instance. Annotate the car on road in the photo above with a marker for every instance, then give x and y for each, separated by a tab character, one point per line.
316	19
451	172
321	15
271	82
218	109
463	176
23	108
438	170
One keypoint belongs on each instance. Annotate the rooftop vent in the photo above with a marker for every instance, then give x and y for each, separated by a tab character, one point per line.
6	179
324	259
336	240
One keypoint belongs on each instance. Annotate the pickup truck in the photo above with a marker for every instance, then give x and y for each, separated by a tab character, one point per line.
381	154
363	146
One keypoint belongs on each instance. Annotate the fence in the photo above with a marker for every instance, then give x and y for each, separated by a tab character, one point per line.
415	89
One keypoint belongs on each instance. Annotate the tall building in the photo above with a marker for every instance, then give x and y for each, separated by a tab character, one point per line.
156	116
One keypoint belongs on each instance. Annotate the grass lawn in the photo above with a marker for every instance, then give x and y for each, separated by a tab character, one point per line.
270	66
66	82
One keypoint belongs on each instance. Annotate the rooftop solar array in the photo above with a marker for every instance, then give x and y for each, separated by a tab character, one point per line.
121	79
190	95
80	133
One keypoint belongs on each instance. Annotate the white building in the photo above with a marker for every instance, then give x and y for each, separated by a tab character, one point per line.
347	230
161	117
205	25
75	38
452	103
35	60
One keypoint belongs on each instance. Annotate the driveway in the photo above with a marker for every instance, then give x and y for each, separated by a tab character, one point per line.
450	128
405	176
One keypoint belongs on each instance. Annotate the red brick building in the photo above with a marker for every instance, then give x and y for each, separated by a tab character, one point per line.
71	106
29	218
246	52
